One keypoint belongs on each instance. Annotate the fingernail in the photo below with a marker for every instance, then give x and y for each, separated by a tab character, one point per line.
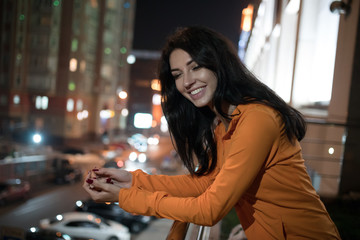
89	181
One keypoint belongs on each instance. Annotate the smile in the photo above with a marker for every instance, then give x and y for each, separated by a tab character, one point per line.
196	91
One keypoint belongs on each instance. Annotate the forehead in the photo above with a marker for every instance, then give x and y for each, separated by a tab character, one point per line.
179	57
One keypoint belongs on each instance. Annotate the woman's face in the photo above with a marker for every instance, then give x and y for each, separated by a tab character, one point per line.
197	84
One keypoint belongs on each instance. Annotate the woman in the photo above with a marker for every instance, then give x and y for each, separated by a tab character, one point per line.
239	142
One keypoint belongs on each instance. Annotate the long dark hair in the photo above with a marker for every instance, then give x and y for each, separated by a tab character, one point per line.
192	128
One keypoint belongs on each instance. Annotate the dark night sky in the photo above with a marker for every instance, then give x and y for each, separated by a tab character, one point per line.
155	19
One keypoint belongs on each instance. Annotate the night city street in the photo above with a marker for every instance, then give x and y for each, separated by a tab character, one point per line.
90	84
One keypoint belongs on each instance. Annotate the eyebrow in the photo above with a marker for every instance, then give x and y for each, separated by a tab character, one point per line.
187	64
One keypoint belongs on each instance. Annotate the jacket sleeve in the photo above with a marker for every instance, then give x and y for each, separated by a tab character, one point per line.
249	146
179	185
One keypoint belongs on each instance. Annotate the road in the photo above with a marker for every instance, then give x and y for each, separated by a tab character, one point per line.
57	199
53	201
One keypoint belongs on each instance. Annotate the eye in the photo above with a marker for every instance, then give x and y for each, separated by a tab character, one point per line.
176	75
196	67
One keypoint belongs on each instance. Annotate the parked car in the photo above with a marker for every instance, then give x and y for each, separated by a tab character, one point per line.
86	225
47	234
13	189
135	223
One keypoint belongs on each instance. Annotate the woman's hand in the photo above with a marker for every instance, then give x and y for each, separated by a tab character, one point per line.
120	177
104	184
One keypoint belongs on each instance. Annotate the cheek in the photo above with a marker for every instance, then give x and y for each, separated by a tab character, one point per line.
179	86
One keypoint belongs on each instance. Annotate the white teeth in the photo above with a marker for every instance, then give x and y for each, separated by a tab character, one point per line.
196	91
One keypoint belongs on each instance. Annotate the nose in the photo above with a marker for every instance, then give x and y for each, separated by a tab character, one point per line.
188	80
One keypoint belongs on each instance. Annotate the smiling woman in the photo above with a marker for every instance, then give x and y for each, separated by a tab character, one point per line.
239	142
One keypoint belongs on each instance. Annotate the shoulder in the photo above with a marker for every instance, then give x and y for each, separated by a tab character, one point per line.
256	109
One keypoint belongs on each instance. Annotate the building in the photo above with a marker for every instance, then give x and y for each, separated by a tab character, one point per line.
308	52
62	64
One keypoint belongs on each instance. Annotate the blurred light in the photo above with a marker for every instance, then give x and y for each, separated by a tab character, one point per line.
143	120
131	59
125	112
56	3
246	20
38	102
22	17
79	203
277	30
107	51
82	66
82	115
123	95
155	85
123	50
59	217
73	65
33	229
66	237
156	99
153	141
132	156
44	102
331	151
16	99
292	7
127	5
72	86
41	102
142	157
120	164
36	138
74	45
106	114
70	105
164	125
79	105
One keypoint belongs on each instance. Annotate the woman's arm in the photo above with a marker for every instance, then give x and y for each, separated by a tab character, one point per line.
249	147
179	185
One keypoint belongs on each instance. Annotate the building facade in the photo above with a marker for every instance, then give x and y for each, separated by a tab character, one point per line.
308	52
63	63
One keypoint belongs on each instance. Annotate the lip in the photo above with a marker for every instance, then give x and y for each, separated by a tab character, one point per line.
199	94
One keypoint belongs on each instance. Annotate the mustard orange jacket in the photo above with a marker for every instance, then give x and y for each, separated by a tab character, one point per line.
259	172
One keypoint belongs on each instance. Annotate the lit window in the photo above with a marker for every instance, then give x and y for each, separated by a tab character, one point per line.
82	66
74	45
44	102
73	65
16	99
70	105
79	105
72	86
38	102
41	102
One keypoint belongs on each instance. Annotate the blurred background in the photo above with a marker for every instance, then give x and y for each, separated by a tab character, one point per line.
78	89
